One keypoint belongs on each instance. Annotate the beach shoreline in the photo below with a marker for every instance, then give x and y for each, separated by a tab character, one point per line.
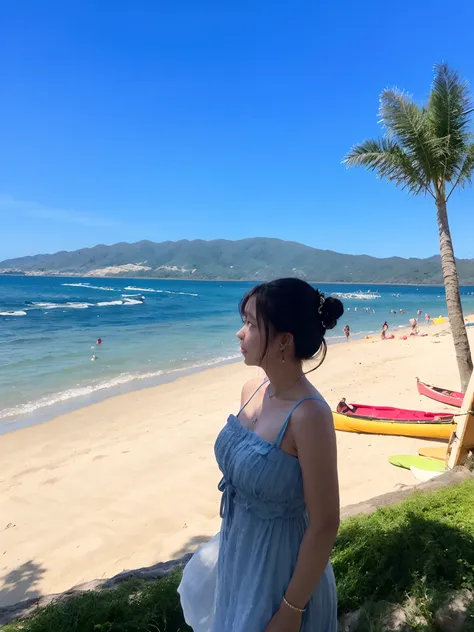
174	332
48	412
132	480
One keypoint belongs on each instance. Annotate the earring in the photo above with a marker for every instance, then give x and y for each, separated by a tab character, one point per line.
282	351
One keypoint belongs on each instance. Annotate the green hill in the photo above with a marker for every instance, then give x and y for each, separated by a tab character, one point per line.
247	259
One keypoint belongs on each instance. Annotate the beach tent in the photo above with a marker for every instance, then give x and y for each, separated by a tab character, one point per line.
462	440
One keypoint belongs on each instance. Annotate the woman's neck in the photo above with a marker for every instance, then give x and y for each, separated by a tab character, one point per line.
283	376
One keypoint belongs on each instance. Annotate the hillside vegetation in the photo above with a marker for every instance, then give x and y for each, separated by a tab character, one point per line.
248	259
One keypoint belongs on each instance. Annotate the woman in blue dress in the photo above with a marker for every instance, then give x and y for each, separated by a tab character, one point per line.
280	498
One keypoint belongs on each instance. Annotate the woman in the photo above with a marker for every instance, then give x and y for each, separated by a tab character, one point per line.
384	330
347	331
280	499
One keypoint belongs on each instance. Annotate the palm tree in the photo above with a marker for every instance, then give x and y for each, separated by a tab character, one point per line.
429	150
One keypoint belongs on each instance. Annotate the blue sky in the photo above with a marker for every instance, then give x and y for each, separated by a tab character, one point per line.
123	121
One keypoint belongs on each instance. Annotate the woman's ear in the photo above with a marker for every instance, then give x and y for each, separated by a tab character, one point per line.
286	341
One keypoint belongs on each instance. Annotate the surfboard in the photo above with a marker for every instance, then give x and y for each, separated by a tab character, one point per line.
423	475
434	453
421	462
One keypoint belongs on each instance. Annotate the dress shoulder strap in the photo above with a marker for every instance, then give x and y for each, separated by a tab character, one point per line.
253	395
281	434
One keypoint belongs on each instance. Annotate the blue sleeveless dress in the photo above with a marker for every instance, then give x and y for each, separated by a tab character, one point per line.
263	522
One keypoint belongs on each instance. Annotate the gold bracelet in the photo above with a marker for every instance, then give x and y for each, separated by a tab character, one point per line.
287	603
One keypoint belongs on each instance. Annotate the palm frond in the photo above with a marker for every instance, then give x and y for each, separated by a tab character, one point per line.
464	174
408	125
449	110
391	162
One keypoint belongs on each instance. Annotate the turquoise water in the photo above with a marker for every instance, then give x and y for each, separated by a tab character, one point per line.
49	329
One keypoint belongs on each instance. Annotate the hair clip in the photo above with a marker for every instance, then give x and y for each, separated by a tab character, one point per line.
321	303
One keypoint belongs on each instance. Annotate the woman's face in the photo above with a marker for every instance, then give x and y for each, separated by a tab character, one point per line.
252	339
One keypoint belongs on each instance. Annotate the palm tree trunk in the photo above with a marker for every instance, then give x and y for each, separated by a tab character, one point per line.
453	297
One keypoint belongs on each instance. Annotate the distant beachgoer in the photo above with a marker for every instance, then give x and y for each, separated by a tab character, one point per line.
94	357
428	319
414	325
384	330
99	341
418	313
355	309
347	331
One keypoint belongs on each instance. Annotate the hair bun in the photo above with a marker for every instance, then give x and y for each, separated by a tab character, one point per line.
330	311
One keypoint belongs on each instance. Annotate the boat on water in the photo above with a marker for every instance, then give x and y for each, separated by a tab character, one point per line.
388	420
444	395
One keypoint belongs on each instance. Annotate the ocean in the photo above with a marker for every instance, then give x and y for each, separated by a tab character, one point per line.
151	331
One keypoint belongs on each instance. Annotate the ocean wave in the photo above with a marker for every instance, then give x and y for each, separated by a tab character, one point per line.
88	286
72	305
150	289
124	301
68	305
15	313
119	380
359	296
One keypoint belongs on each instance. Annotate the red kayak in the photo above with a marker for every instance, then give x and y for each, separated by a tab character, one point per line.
393	414
444	395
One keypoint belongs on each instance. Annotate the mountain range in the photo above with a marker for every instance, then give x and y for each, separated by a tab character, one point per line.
254	259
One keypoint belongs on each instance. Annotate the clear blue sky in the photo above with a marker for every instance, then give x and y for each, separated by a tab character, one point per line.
160	120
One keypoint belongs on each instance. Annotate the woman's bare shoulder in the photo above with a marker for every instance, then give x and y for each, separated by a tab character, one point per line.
249	388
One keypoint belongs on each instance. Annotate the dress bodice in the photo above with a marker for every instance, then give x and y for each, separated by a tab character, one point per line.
257	474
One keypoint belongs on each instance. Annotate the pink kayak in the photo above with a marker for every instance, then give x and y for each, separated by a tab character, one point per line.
444	395
393	414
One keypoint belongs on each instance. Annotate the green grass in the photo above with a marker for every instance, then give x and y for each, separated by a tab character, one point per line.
424	546
412	554
135	606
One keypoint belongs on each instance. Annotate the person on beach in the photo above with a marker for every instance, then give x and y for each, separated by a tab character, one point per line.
347	331
428	319
280	497
414	326
384	330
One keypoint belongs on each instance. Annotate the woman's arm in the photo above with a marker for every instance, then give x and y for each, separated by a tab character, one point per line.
315	438
313	430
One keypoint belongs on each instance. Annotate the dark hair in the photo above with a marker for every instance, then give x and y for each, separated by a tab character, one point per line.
294	306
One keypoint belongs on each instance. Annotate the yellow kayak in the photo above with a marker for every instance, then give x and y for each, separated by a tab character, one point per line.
349	423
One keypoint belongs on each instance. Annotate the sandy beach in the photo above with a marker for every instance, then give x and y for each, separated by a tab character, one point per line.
132	481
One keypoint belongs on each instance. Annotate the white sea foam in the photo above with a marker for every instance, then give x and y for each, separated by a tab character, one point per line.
119	380
72	305
68	305
150	289
107	303
16	313
91	287
360	296
124	301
